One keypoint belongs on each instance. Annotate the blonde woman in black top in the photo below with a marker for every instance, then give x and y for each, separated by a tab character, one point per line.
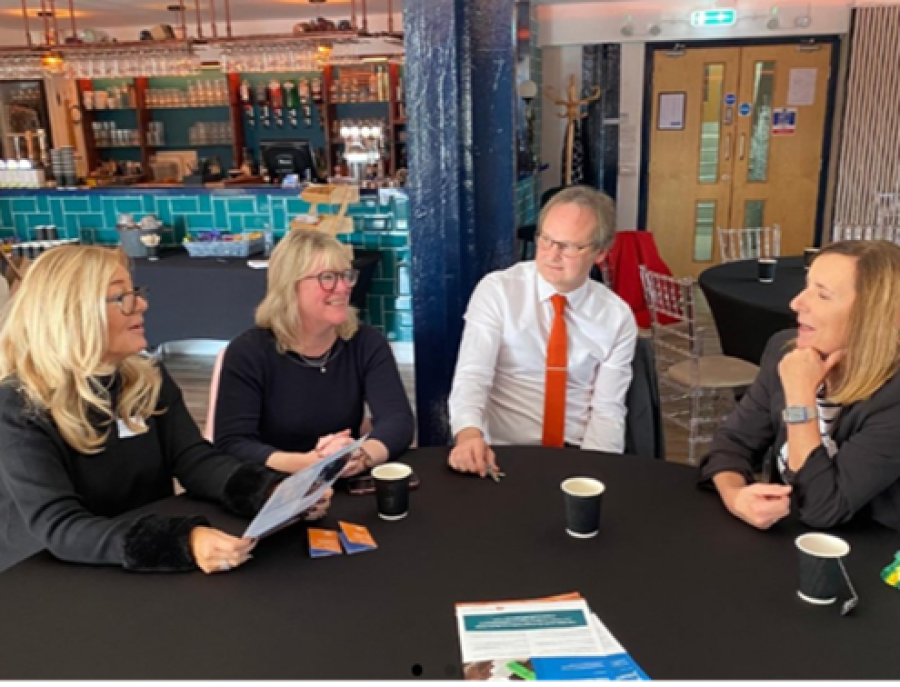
90	429
295	387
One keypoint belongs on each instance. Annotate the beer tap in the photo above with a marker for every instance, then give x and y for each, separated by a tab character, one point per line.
247	101
276	97
305	101
262	102
290	101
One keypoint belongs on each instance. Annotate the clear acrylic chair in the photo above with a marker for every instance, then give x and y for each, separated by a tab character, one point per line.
697	391
877	232
749	244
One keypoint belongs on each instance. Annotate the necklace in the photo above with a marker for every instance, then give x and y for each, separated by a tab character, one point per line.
319	362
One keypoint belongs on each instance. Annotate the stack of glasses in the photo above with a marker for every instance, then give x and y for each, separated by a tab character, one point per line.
63	160
46	232
33	249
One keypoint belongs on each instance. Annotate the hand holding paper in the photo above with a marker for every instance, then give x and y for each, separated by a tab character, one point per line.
301	491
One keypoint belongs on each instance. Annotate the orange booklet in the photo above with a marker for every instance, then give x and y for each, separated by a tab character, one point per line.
356	538
323	543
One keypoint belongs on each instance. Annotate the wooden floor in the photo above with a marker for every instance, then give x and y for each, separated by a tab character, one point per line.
193	372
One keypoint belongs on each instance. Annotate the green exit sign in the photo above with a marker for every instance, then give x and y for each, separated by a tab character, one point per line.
713	17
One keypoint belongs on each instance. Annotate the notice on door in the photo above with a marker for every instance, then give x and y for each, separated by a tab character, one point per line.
802	87
671	111
784	121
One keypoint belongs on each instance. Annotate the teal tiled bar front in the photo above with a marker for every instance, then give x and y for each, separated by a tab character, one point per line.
90	215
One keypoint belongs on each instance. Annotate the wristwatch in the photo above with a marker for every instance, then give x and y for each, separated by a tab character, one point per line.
797	415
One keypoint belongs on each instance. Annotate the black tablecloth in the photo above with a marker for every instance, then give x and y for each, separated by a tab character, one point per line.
690	591
747	312
215	298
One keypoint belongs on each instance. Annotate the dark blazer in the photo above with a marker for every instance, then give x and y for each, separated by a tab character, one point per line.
864	475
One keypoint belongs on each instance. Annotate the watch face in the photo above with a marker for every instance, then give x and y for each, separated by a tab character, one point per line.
795	415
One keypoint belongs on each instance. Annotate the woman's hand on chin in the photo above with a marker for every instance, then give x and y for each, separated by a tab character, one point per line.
802	372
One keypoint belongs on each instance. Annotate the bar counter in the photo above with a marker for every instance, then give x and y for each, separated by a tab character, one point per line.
90	214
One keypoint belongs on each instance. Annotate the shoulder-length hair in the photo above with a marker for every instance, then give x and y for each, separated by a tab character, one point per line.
873	351
300	254
53	342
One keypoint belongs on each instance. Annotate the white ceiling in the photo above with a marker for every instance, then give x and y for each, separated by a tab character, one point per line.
113	13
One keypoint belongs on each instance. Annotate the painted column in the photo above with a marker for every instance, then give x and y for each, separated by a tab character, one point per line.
460	81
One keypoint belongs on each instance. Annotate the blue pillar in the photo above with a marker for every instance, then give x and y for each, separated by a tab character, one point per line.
460	93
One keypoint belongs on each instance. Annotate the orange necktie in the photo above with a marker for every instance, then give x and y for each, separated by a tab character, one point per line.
555	388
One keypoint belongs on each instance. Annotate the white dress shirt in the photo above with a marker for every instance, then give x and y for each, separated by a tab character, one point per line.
500	376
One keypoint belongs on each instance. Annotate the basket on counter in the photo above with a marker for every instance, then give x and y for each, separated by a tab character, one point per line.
242	247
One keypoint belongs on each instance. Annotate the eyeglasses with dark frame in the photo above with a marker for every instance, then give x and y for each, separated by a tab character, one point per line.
328	279
127	300
567	248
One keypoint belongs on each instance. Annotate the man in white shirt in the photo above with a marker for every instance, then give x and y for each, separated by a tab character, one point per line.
502	384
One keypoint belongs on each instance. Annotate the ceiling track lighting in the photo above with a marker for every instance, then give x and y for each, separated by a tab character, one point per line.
774	23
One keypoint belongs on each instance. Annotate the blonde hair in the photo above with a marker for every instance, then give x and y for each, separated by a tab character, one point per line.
600	205
296	256
873	350
53	341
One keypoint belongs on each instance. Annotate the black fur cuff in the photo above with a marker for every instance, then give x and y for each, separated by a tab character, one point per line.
249	487
160	543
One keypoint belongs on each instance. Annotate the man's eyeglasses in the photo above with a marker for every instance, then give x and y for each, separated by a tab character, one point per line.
567	248
328	279
127	301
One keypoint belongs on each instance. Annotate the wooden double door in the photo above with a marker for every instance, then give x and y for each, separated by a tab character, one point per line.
736	141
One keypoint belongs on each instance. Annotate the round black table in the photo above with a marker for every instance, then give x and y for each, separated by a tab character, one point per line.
746	311
690	591
216	298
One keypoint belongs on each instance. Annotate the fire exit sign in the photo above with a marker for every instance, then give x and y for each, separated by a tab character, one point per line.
723	17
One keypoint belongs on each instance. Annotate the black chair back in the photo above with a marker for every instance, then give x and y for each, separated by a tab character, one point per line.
644	424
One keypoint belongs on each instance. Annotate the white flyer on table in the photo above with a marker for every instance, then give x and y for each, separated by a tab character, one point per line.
541	639
300	491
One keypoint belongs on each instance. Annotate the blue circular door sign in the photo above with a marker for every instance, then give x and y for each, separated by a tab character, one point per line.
730	99
744	110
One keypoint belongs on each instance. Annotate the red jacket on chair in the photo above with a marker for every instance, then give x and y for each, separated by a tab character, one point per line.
631	249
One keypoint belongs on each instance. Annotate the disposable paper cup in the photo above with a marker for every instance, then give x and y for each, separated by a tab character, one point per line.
808	255
583	498
766	268
392	490
820	573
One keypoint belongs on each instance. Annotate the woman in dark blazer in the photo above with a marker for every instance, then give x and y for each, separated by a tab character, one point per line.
826	402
